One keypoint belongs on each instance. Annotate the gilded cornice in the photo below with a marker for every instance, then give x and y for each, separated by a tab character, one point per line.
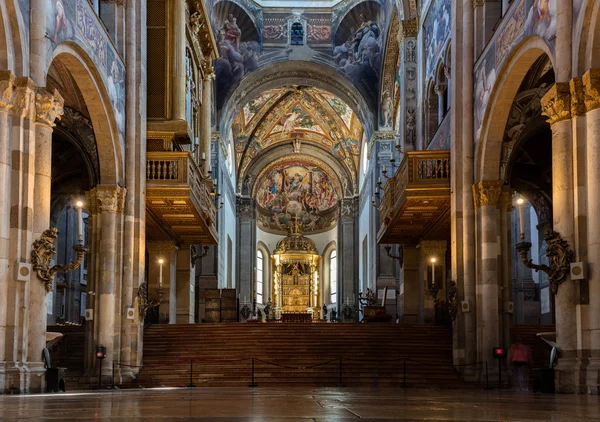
48	106
7	90
487	192
577	97
201	28
409	28
556	104
591	89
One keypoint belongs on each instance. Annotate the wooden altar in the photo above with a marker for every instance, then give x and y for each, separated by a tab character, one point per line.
296	268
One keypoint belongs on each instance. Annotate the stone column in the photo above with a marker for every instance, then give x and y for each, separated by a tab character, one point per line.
7	97
48	106
167	251
591	80
439	90
109	202
246	247
205	118
178	59
505	263
409	290
347	251
185	287
556	105
486	195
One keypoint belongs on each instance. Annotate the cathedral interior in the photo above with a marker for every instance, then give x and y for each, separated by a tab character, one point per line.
350	176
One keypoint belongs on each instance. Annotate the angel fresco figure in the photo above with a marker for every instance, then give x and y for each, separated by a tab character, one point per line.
232	31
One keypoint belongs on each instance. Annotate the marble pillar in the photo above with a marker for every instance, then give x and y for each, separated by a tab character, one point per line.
409	289
428	250
486	195
347	251
556	105
167	251
178	59
205	120
246	246
506	245
107	203
591	80
8	89
185	288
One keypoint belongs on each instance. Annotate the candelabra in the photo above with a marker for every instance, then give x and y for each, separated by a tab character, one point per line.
43	251
195	255
399	257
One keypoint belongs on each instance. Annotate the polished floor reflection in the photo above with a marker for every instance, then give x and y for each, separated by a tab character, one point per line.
299	404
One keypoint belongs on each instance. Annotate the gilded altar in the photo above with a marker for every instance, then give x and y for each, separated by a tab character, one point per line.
296	273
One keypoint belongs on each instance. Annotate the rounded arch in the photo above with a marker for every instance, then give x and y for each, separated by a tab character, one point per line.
95	94
297	72
587	38
341	32
326	271
489	148
13	36
262	248
223	7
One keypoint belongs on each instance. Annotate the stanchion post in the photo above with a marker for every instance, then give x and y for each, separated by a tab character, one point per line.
487	379
191	373
404	373
340	383
113	376
100	375
253	384
499	374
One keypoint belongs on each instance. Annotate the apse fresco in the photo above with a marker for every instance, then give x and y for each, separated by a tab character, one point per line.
297	118
524	19
297	188
436	32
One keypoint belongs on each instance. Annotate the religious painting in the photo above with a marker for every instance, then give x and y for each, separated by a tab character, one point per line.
527	18
297	118
358	55
436	30
299	188
252	106
239	46
340	107
318	32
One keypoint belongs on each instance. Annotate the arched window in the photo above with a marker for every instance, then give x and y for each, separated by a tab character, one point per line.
259	277
333	276
231	158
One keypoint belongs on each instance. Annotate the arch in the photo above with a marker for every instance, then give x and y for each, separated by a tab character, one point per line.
488	150
587	38
360	6
325	271
297	72
241	5
95	94
13	36
267	270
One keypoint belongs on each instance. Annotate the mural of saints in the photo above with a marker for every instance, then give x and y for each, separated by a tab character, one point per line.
292	189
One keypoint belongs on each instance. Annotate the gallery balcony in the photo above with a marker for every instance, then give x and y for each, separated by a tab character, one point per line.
416	200
179	204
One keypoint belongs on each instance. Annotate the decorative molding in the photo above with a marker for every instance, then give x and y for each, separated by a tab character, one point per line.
7	90
202	31
556	104
487	192
48	106
409	28
25	98
591	89
577	97
107	198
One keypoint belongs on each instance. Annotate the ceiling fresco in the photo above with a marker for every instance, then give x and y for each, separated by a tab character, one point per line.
295	116
297	186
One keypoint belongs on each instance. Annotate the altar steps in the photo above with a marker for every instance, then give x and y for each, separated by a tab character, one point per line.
286	354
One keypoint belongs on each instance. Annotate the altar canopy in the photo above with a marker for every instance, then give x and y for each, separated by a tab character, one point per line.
296	269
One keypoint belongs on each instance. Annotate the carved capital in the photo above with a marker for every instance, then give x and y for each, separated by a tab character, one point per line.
478	3
409	28
577	97
487	192
48	106
7	90
24	106
556	104
107	198
591	89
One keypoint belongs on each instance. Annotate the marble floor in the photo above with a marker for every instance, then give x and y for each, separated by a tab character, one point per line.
300	404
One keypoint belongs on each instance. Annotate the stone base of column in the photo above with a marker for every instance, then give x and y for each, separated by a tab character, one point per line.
35	377
566	377
592	377
185	318
14	378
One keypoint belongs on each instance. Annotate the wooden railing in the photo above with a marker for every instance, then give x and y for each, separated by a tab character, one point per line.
172	168
418	170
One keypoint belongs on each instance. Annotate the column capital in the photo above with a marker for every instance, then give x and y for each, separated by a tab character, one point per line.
577	97
48	106
556	104
7	90
478	3
505	201
107	198
409	28
591	89
487	192
25	98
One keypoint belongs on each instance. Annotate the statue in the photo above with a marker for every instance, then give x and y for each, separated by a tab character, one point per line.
333	315
324	311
